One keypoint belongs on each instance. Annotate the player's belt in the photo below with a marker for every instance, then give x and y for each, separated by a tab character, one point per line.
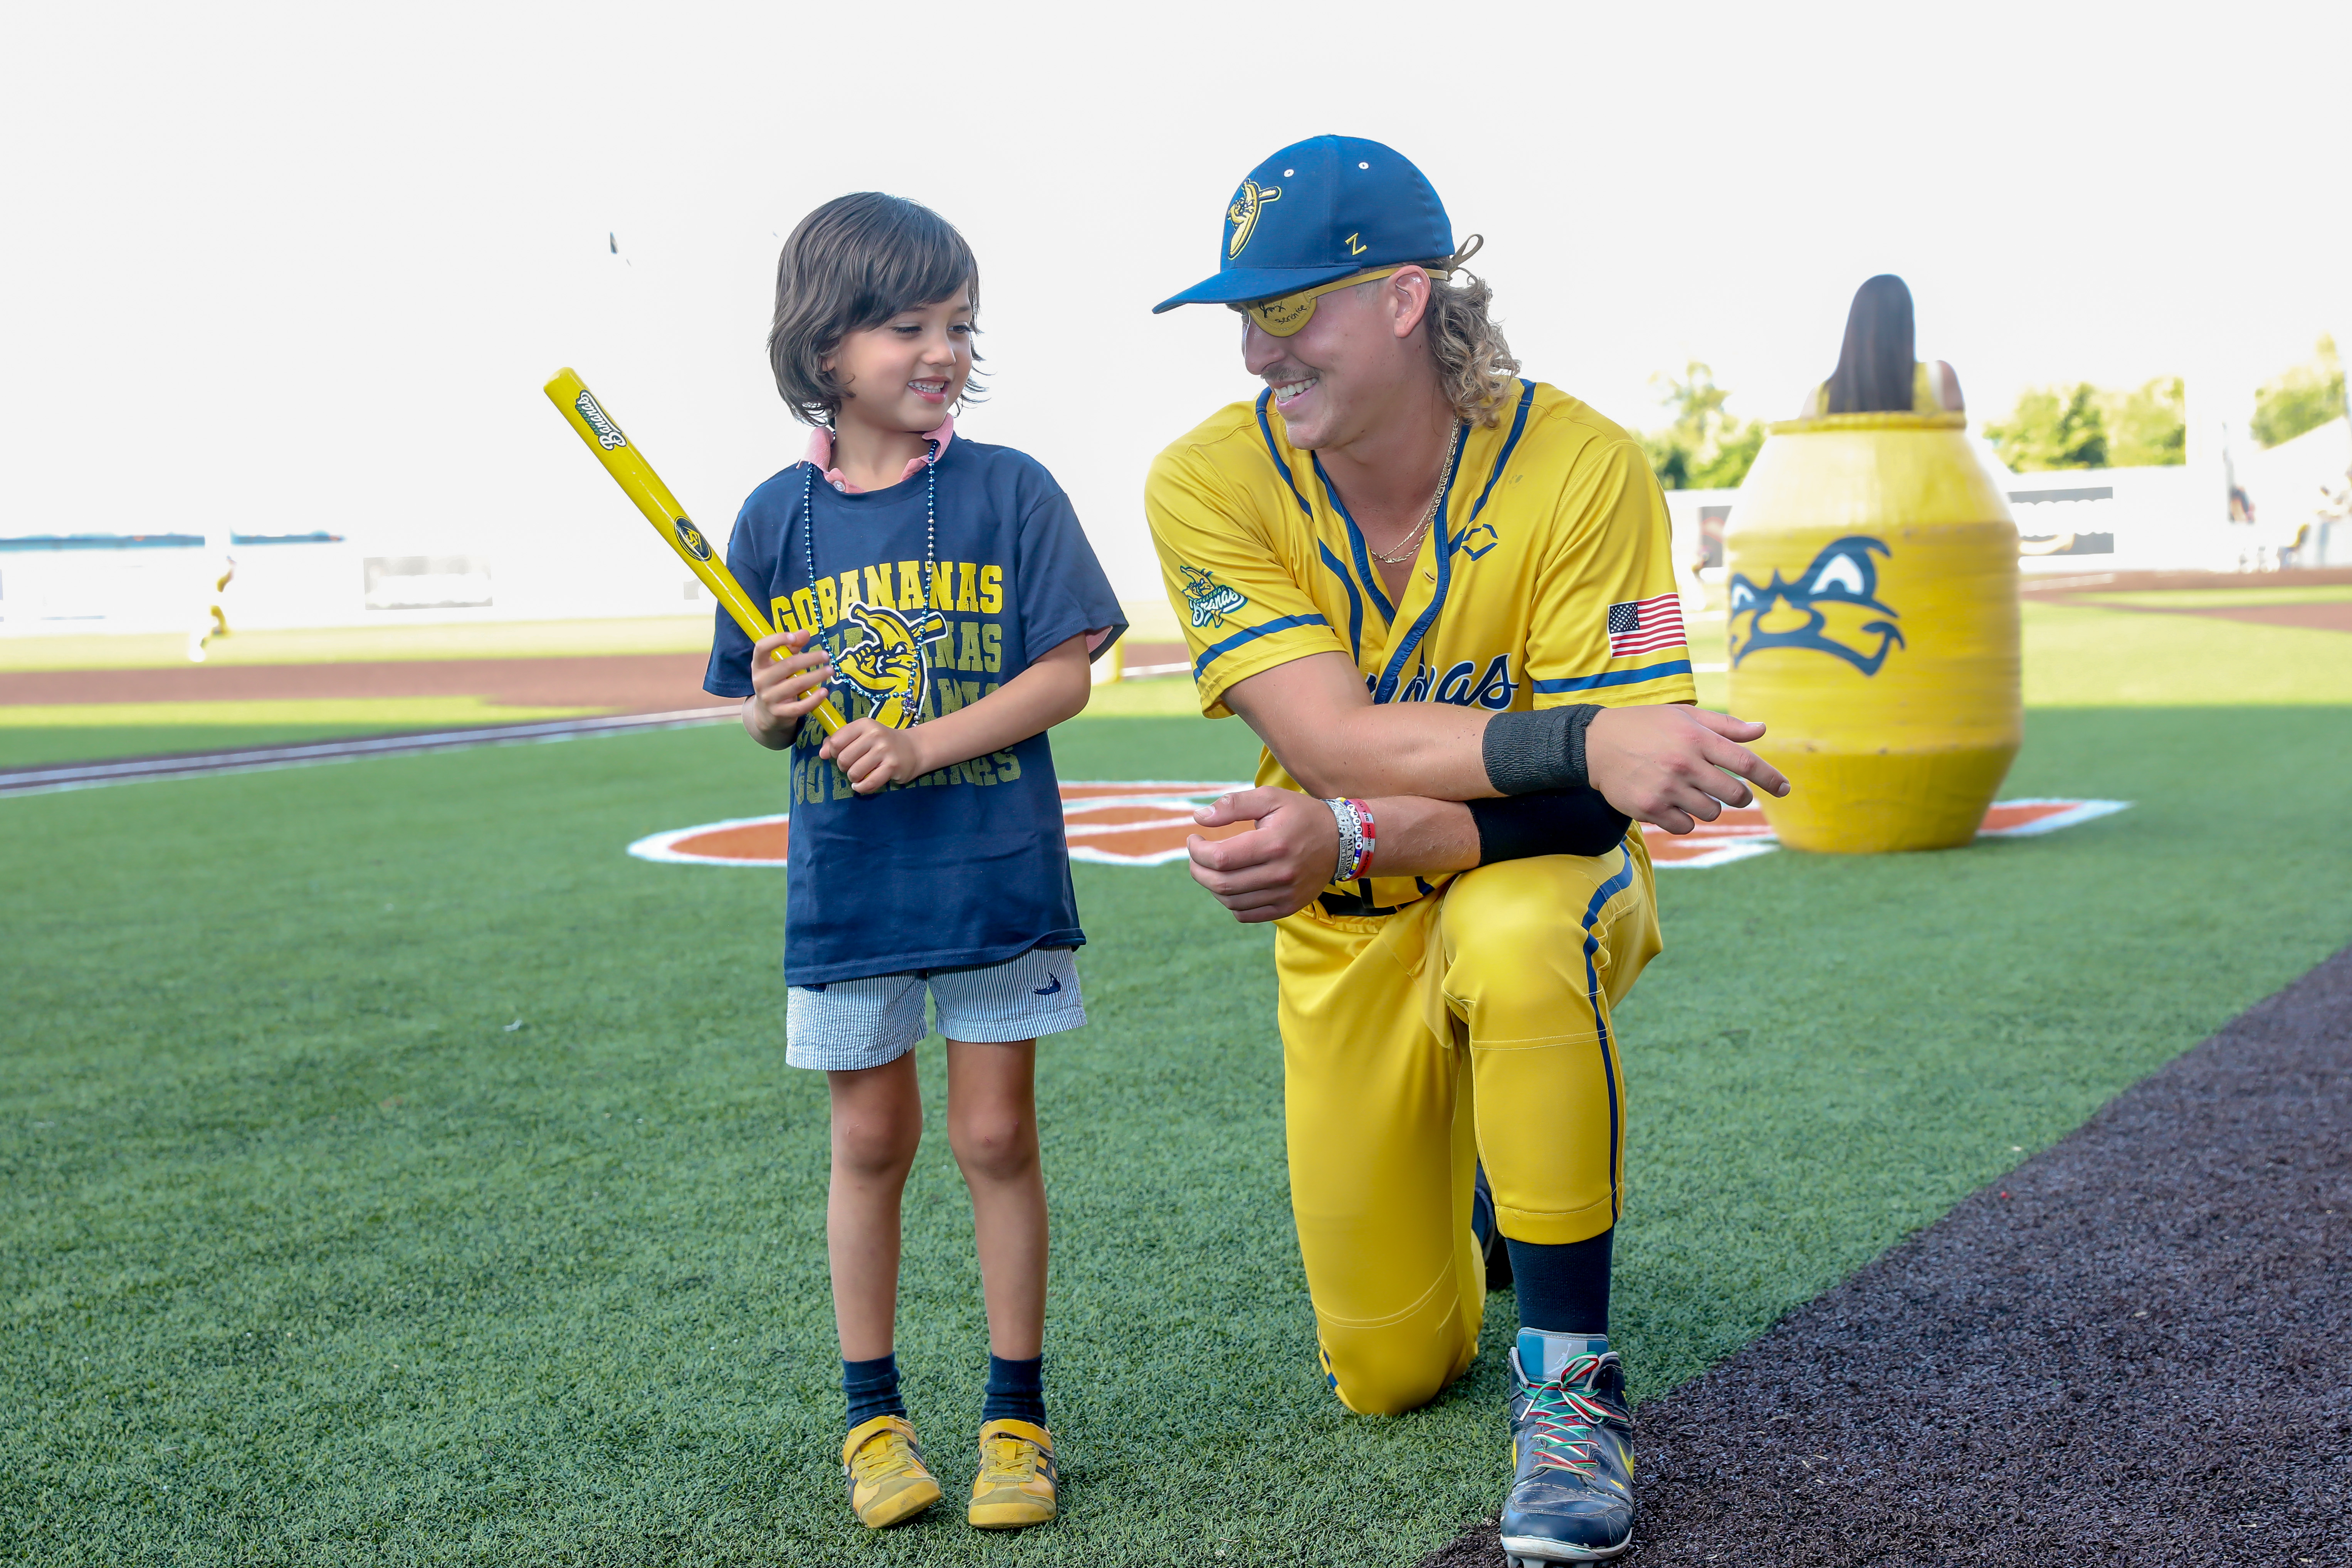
1354	905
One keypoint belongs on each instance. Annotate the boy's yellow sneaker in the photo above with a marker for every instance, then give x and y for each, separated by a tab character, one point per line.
1015	1484
883	1465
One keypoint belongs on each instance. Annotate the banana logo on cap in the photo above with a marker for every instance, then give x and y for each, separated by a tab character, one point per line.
1243	214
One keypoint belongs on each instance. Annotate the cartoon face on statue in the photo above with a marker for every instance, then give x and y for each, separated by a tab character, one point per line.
1836	593
890	666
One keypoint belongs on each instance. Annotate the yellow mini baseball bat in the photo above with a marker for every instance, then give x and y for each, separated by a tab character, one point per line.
642	484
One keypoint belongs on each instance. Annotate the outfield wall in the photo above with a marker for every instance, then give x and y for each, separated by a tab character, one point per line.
2072	521
164	583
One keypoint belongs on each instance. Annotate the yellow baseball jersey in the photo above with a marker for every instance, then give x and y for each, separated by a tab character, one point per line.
1547	579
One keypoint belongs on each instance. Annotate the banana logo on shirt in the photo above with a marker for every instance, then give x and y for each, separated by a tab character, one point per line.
890	667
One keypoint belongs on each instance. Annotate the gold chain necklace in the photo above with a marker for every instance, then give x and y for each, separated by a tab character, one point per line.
1411	542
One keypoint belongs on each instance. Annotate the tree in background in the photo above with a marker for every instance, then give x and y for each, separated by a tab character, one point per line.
1705	449
2148	428
2302	399
2085	426
2052	428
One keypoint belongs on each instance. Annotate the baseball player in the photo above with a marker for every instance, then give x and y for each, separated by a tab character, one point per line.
1444	597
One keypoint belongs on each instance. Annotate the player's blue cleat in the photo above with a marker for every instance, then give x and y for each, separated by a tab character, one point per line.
1572	1444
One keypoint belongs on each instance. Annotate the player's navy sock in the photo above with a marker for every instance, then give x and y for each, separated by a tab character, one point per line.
1563	1290
871	1387
1016	1390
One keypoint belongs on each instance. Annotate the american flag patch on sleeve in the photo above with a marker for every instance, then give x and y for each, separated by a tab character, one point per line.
1646	625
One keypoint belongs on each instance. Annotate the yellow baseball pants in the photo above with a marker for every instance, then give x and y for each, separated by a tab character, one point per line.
1471	1024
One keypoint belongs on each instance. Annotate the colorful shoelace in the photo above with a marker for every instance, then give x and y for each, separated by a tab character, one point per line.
1564	1418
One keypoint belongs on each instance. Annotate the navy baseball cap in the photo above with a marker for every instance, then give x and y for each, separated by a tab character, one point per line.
1316	212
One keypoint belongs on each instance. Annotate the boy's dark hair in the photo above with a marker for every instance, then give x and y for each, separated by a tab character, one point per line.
853	264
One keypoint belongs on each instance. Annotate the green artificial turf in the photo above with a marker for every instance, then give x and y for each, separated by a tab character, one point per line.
394	1171
2082	658
2227	599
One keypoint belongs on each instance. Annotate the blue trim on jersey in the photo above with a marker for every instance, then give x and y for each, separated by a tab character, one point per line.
1384	690
1389	677
1355	602
1601	897
1613	677
1355	541
1218	650
1502	459
1266	429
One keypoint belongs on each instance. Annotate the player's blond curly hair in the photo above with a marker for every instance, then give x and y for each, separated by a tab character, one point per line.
1474	364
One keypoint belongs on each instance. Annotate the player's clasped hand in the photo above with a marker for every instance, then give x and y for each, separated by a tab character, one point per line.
1670	764
1277	866
875	755
784	691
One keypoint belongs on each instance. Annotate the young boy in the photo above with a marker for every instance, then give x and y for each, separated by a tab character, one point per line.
942	592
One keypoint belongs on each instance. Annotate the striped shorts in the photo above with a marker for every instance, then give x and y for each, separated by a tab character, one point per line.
842	1025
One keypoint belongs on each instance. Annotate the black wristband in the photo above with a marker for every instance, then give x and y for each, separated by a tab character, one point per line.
1524	752
1549	822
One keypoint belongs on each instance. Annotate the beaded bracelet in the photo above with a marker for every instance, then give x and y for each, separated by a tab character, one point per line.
1357	834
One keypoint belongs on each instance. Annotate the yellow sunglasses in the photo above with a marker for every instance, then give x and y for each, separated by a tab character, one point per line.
1285	315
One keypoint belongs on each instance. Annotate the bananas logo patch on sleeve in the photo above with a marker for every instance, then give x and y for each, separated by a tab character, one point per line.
1843	574
1210	601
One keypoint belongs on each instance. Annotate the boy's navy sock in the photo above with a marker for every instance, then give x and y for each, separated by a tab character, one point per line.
1016	1390
1564	1289
871	1387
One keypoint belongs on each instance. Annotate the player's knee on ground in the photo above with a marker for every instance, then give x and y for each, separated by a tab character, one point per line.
1385	1373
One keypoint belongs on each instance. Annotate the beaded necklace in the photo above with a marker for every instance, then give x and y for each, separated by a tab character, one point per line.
931	528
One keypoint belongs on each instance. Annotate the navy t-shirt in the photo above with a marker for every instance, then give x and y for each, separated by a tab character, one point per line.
966	865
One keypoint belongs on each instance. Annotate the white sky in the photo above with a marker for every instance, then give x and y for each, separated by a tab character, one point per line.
307	267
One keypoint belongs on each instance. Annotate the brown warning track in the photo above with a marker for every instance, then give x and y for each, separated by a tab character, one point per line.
627	683
2152	581
2325	617
2317	617
2135	1350
55	776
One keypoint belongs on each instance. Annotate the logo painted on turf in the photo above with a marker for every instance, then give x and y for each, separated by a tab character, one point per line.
608	435
691	538
1248	202
1843	573
891	667
1210	600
